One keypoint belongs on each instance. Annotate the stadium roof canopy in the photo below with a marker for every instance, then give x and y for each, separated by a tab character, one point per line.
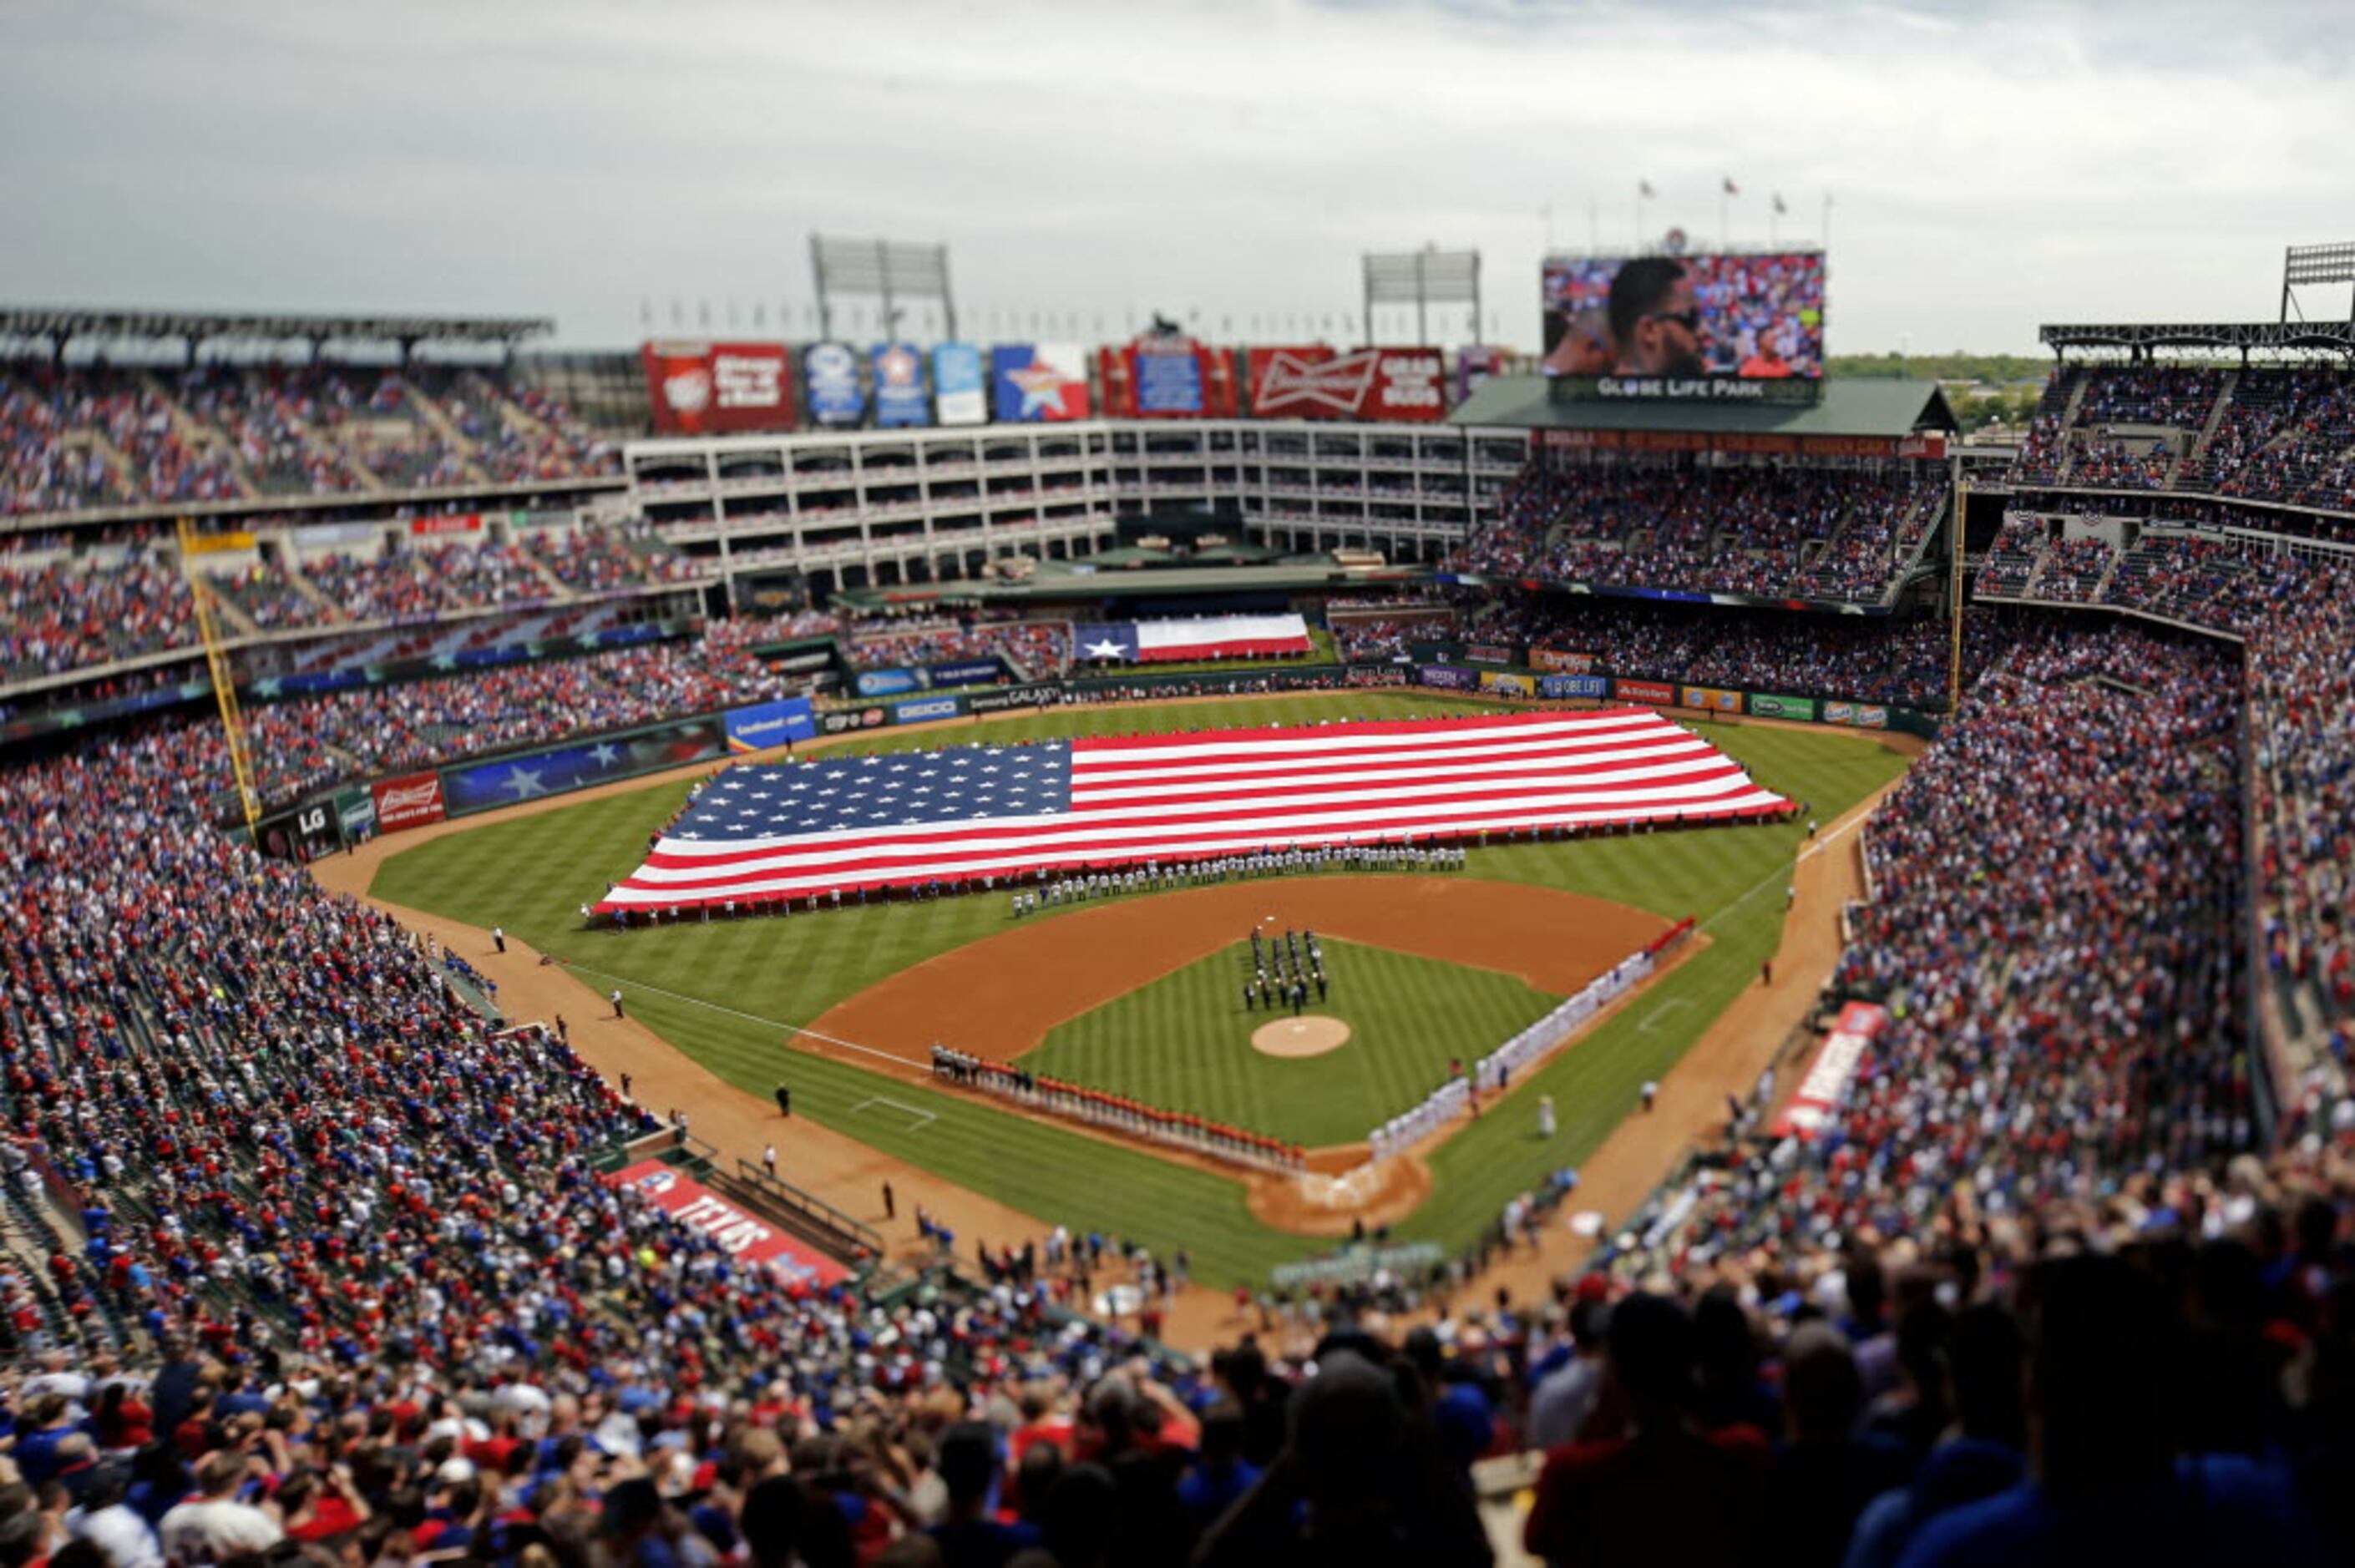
2140	338
62	324
1888	408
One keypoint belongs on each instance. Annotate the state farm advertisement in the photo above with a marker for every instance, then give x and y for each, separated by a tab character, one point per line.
1319	382
409	802
716	389
1659	694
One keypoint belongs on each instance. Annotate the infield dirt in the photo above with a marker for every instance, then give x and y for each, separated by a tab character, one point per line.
998	996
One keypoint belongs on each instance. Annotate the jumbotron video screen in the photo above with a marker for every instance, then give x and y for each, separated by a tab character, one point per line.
1735	326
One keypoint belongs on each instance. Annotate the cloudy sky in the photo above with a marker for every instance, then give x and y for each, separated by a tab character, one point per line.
1990	165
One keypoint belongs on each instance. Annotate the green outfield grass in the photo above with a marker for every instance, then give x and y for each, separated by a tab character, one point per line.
725	992
1184	1040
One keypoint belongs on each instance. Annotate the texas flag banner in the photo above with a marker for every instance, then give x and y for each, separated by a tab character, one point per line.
1210	636
1036	382
763	833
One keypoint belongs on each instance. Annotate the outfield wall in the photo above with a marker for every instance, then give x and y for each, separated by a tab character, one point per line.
325	822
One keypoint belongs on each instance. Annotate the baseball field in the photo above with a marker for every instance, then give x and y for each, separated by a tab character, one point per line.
1140	996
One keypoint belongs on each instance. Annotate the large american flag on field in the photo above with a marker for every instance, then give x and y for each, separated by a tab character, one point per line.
767	832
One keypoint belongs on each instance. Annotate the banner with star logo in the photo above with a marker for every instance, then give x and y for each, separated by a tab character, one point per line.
900	397
1040	382
507	781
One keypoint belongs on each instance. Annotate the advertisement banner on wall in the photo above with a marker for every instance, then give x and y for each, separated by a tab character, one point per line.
1766	707
1167	378
843	721
743	1236
1315	383
355	810
1487	653
304	833
964	674
1656	694
887	683
1500	680
1817	1101
925	708
836	397
561	768
765	725
1839	713
899	394
1873	718
959	390
1036	694
1036	381
1449	677
409	802
1712	700
714	389
448	522
1561	658
1573	686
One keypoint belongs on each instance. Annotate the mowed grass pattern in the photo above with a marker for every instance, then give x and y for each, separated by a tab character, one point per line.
750	979
1184	1040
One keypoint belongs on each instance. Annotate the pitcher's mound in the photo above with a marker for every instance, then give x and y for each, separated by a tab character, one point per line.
1309	1036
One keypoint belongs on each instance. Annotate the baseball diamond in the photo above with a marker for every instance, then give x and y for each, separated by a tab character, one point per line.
893	976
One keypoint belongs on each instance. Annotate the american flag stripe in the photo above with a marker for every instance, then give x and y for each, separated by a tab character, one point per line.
1175	797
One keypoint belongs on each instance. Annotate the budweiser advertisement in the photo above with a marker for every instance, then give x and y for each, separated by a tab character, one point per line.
1318	383
714	389
409	802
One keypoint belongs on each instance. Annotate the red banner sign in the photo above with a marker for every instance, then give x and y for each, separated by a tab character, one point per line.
1561	660
1316	383
714	389
409	802
452	522
741	1235
1818	1096
1657	693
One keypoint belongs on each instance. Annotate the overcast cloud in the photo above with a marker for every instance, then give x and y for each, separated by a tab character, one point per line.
1990	167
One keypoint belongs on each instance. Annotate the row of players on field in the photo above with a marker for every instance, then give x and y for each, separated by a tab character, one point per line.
1155	877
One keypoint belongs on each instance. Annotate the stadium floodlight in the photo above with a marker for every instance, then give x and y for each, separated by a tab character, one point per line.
2306	266
1421	279
885	271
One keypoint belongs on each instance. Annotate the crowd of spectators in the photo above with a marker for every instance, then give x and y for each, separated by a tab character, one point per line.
61	615
2281	435
1903	662
219	432
2072	570
355	1288
427	581
1038	647
2301	650
1703	530
1363	636
607	560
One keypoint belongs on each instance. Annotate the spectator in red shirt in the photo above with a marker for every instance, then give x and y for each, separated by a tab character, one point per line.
1661	1491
